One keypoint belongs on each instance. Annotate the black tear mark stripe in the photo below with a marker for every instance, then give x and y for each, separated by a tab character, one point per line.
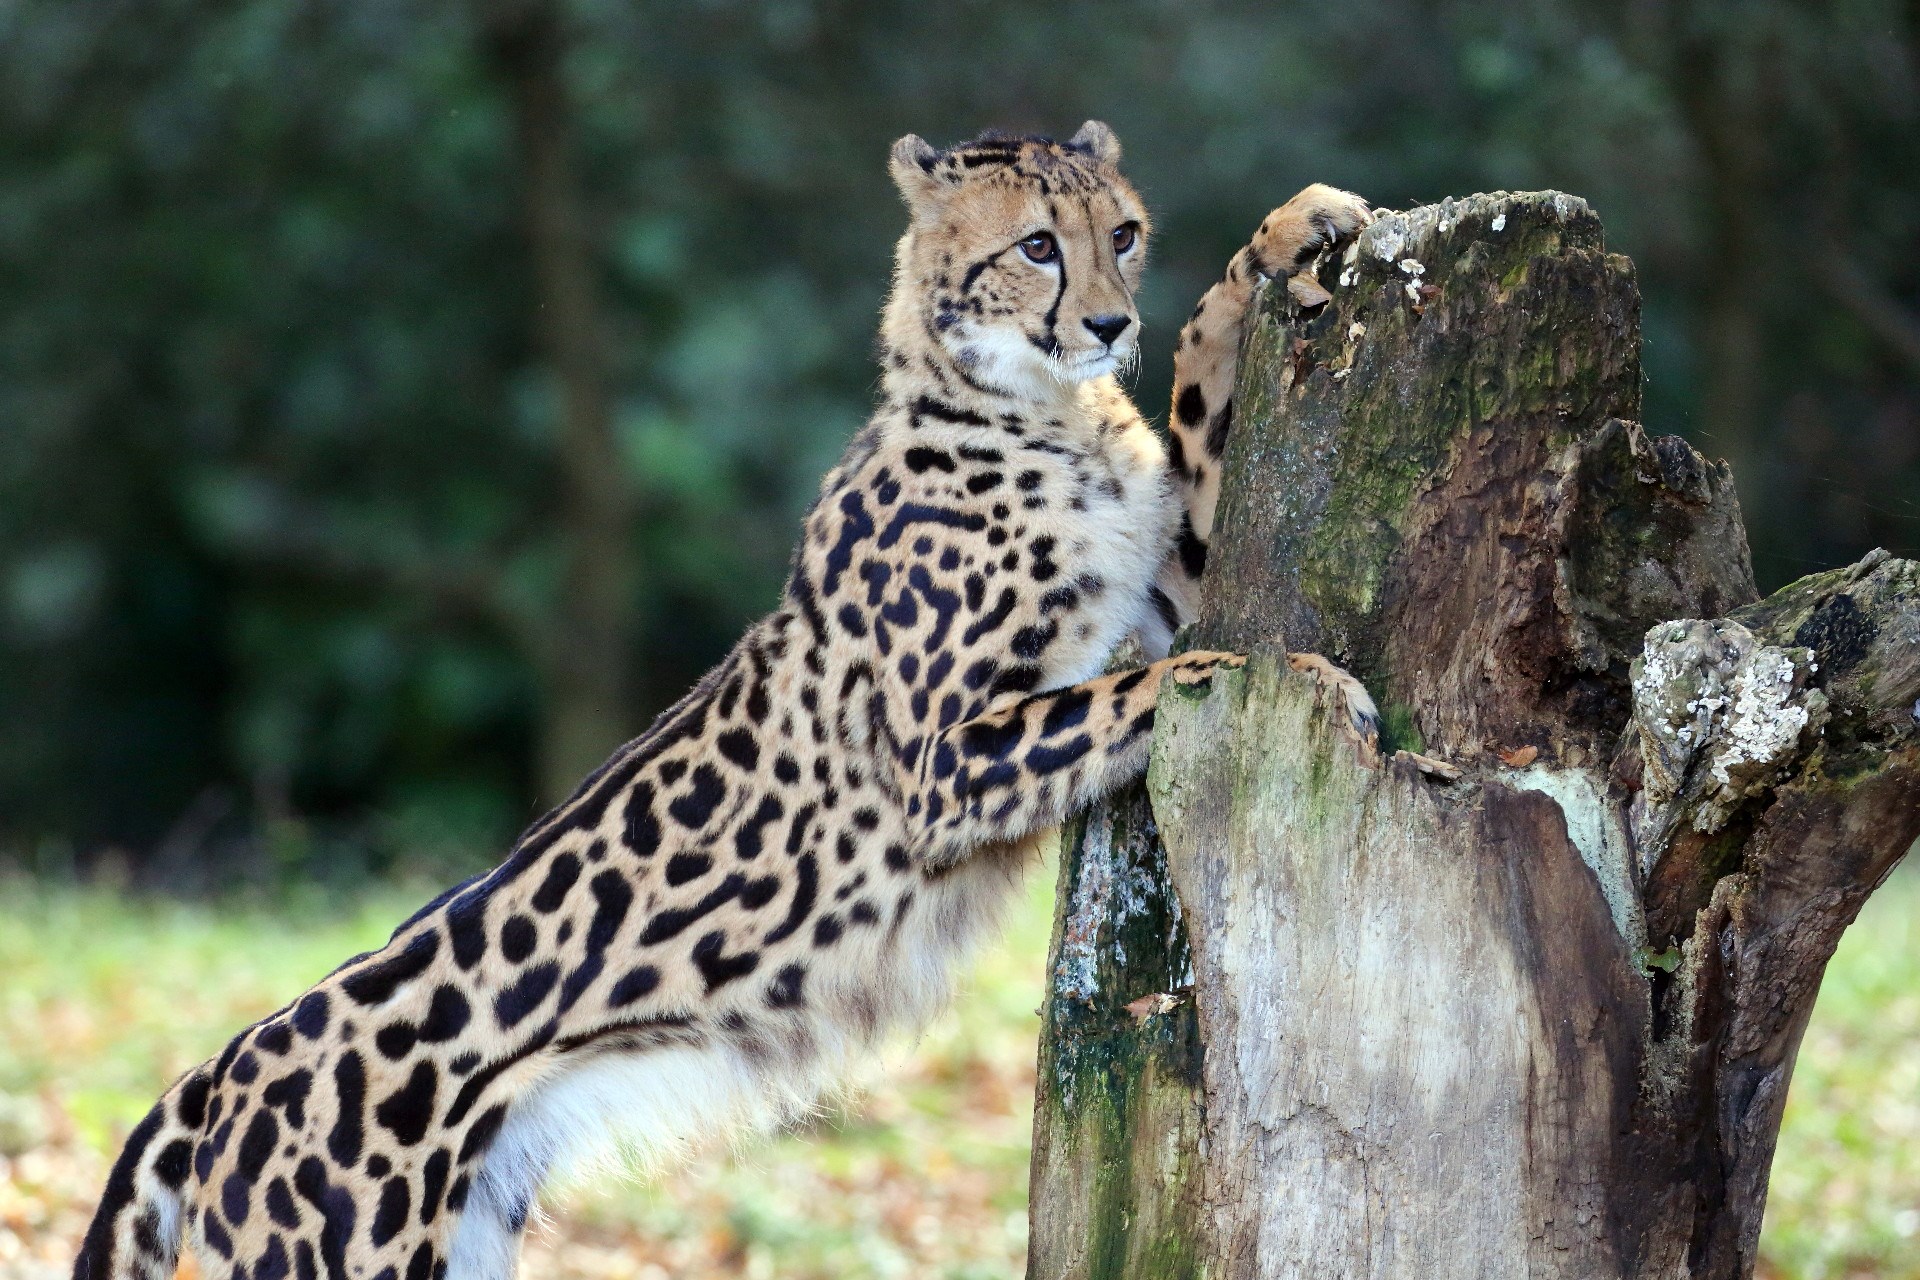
1051	344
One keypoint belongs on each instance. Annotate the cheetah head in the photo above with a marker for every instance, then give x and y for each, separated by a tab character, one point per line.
1022	257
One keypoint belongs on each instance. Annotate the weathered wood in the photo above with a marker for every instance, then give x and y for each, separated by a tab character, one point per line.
1418	1012
1116	1177
1539	1021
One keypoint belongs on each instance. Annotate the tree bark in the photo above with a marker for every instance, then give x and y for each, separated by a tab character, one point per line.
1539	1018
583	656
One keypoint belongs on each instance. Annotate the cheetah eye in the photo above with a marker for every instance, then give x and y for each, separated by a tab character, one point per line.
1040	247
1124	235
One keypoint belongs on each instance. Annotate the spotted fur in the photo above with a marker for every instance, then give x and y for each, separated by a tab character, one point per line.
786	864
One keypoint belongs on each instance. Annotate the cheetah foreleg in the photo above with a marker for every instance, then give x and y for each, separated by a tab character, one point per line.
1024	767
1206	359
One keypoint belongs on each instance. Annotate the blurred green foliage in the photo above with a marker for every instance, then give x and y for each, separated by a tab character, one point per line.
278	446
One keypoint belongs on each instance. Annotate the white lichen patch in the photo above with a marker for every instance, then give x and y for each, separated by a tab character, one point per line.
1595	828
1499	222
1076	974
1389	237
1412	266
1719	716
1764	722
1107	893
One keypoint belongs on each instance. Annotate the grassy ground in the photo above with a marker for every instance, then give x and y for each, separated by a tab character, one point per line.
922	1172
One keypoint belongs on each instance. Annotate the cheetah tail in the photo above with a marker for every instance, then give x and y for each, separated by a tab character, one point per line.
135	1234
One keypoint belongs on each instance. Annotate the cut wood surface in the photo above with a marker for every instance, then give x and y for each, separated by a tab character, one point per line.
1538	1020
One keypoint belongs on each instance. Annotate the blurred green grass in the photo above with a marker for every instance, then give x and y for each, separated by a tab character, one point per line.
921	1170
1845	1200
918	1169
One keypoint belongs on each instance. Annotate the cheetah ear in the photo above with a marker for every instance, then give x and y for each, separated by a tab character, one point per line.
1096	140
915	167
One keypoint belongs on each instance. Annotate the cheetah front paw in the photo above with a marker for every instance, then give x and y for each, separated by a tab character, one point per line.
1292	234
1362	716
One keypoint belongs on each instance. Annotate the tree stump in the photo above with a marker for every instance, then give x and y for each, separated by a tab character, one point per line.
1537	1018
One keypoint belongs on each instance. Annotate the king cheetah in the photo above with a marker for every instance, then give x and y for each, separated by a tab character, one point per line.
789	860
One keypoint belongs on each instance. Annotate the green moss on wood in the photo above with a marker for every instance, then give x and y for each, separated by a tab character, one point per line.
1346	417
1119	1095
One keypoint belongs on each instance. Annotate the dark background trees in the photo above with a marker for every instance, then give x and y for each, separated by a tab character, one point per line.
399	403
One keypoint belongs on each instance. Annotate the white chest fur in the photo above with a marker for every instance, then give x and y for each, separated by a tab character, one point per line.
1114	530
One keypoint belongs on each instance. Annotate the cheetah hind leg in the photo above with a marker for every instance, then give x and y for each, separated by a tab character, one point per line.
616	1106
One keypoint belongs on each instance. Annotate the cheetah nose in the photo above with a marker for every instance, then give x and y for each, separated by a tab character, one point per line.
1107	328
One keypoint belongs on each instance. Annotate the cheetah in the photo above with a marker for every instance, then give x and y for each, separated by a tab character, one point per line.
788	862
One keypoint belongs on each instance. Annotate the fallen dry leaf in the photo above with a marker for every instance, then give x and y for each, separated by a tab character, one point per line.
1307	291
1152	1006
